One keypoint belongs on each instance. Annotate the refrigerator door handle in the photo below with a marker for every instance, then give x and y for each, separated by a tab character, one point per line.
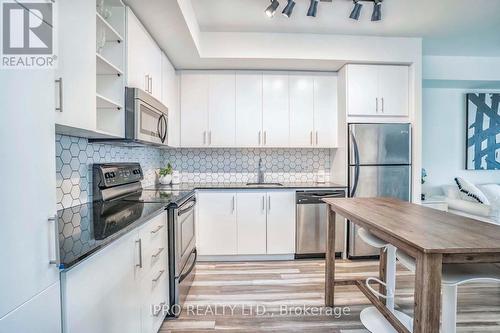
356	166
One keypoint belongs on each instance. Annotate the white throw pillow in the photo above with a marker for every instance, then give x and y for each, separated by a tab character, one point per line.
470	192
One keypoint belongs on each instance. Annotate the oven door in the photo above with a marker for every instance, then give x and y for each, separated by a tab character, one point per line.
185	236
151	123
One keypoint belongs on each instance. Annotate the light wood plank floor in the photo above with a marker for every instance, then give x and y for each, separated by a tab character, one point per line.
227	296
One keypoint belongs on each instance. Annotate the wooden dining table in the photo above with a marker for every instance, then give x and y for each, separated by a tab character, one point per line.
430	236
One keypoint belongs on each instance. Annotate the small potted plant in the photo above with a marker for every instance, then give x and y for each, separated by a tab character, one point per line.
166	174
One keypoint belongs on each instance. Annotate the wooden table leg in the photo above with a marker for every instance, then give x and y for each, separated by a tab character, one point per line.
382	272
330	260
427	293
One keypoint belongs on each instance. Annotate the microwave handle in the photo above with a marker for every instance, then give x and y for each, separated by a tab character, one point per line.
158	127
165	128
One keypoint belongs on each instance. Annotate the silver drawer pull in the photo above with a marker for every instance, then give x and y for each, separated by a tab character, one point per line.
159	275
160	250
157	229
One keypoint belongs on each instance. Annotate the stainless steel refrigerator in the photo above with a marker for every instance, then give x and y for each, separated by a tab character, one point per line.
379	166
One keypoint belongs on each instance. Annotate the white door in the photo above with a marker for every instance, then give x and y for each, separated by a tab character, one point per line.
362	90
137	59
28	198
100	294
393	90
221	109
170	97
194	109
275	113
301	110
325	111
280	222
248	109
153	55
251	210
77	70
217	229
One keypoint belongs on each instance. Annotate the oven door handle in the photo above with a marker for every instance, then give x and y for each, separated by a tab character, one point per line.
183	276
188	206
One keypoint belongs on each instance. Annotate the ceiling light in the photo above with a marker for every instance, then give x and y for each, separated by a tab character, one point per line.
289	8
356	10
377	11
313	8
271	9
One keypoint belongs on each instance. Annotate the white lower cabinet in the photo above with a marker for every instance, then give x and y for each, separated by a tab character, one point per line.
251	216
117	289
280	222
217	231
245	222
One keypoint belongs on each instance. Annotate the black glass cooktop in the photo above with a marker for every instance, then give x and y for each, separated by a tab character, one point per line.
155	195
86	228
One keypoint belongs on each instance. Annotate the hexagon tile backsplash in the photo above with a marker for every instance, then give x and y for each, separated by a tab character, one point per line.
74	157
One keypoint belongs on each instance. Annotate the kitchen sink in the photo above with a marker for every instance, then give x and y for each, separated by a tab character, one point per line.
264	184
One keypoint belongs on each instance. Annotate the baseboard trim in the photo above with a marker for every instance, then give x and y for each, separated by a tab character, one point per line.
261	257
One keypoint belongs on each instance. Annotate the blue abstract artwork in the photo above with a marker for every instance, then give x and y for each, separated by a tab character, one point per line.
483	131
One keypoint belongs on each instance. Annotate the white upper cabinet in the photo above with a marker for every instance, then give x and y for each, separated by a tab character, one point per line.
221	109
144	58
255	109
301	110
325	111
251	210
76	68
249	109
194	109
280	222
275	111
377	90
170	97
394	90
217	229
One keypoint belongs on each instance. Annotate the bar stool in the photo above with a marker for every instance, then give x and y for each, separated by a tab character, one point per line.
370	317
454	275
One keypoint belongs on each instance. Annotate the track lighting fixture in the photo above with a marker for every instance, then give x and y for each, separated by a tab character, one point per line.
271	9
356	10
313	8
377	10
287	11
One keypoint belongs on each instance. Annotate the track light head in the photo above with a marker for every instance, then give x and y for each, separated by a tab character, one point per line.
313	8
271	9
287	11
377	10
356	10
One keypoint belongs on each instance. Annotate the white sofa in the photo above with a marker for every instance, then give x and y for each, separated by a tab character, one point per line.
457	205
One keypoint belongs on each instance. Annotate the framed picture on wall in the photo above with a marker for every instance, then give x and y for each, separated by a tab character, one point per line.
483	131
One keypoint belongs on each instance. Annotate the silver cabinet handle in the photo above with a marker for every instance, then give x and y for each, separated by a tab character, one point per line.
376	104
139	241
158	228
268	203
159	275
311	138
263	203
146	84
259	138
60	82
209	137
151	84
317	141
160	250
54	256
382	105
265	137
204	137
233	204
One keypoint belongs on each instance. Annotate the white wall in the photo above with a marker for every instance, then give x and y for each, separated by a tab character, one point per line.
444	139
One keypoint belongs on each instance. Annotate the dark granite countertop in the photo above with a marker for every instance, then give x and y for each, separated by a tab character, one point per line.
87	228
243	185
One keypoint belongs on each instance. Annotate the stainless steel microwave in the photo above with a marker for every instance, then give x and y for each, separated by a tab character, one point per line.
146	118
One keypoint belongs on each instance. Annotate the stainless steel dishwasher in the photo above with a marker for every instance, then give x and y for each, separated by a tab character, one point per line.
312	218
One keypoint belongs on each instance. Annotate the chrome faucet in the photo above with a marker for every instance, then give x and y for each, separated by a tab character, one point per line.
260	173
